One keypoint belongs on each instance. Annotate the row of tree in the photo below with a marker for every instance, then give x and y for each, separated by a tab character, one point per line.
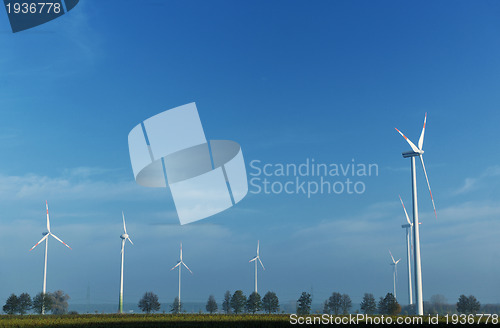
341	304
386	305
238	302
337	303
56	303
235	303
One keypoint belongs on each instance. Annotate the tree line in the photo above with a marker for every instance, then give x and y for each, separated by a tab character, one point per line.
56	303
233	303
339	303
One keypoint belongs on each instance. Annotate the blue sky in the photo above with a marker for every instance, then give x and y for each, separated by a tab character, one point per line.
288	80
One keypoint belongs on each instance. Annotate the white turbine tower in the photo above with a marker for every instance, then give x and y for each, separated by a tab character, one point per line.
409	230
180	267
124	238
46	239
417	151
255	260
395	273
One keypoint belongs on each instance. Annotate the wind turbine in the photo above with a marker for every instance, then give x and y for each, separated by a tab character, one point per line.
395	273
409	230
255	260
417	151
180	267
124	238
46	239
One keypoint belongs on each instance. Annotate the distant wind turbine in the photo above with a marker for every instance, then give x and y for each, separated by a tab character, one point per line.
409	245
124	238
255	260
46	239
180	267
417	151
395	273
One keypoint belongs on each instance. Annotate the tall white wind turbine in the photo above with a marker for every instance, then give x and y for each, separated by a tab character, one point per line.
409	230
46	239
124	238
417	151
255	260
180	267
395	273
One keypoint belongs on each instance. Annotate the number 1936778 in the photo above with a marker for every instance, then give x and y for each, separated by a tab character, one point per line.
33	8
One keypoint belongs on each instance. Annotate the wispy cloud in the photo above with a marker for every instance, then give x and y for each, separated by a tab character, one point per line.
474	183
73	184
86	172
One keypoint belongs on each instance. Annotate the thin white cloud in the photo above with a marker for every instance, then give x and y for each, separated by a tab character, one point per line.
80	183
471	184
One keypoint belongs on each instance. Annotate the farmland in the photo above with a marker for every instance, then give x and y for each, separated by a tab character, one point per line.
201	320
144	320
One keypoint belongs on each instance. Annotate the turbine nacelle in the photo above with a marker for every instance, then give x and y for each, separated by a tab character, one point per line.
125	235
407	154
418	151
394	262
181	262
257	257
47	234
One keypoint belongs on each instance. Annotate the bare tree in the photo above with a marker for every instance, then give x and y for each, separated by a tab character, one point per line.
60	302
335	303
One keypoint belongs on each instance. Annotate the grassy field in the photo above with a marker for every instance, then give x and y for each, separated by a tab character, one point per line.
185	320
143	320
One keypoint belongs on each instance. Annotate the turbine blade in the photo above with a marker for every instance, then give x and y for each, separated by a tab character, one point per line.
124	226
44	237
392	257
253	259
130	240
428	185
404	208
48	221
179	263
59	240
181	251
257	248
412	145
187	267
421	140
261	263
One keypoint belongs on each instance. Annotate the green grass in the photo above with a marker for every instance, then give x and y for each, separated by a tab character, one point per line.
166	320
143	320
